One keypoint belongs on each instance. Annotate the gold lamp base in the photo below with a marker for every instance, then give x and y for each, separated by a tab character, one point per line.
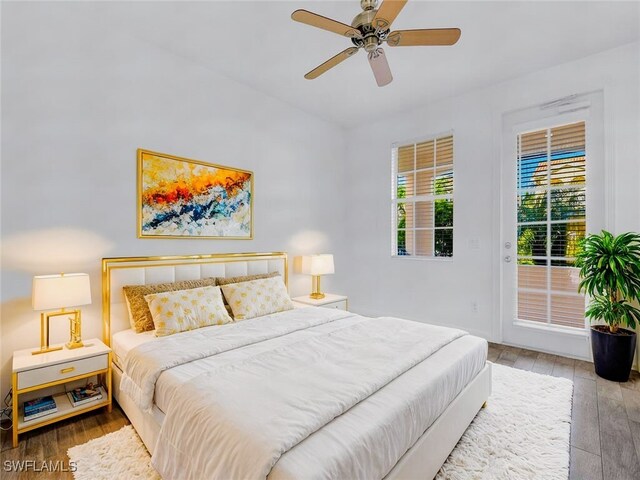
72	345
75	326
316	294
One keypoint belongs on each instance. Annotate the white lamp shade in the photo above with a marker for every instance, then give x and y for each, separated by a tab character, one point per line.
317	264
60	291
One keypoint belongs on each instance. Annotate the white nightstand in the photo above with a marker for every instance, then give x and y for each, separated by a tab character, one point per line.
330	300
32	373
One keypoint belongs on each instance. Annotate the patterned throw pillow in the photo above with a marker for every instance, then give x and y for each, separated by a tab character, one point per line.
239	279
139	314
183	310
257	297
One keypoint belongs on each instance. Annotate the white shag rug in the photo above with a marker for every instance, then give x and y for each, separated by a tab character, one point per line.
116	455
522	434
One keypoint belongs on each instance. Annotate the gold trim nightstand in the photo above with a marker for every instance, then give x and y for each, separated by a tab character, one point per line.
48	373
341	302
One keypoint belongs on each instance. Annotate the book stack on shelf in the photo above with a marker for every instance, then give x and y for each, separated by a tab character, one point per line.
39	408
87	394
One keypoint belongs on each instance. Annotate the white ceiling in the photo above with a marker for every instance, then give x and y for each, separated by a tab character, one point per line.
256	43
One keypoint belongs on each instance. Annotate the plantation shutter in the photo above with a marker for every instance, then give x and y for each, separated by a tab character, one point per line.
551	222
422	198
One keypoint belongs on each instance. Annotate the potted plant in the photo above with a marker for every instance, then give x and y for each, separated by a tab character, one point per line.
610	275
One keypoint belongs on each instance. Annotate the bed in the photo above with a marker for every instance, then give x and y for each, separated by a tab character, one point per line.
403	426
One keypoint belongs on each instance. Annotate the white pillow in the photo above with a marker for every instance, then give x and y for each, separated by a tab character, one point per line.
182	310
257	297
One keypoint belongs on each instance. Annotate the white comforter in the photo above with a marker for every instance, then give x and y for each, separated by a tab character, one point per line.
144	364
236	421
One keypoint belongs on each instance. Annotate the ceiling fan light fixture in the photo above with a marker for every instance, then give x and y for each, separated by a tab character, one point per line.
368	30
370	43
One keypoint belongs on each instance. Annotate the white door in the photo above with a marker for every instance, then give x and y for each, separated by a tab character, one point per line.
552	194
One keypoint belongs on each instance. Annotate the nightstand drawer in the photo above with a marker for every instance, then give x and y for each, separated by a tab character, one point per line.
341	305
53	373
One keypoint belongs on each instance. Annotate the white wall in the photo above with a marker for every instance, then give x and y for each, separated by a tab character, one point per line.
78	99
441	291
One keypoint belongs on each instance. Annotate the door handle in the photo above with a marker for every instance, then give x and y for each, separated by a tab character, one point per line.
507	259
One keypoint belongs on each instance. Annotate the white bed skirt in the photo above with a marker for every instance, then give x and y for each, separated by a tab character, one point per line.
422	461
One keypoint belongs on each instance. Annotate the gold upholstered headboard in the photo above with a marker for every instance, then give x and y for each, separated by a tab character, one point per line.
118	272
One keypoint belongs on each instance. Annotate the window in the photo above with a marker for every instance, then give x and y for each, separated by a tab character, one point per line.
422	198
551	215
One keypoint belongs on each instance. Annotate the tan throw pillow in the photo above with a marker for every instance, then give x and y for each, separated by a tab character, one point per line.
139	314
257	297
183	310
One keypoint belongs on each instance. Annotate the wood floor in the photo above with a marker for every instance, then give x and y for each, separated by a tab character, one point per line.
605	426
52	442
605	420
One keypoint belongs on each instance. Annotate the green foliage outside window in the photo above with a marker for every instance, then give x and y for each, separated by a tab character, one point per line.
566	204
443	217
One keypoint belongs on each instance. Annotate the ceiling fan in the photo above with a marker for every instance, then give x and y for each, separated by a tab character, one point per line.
368	30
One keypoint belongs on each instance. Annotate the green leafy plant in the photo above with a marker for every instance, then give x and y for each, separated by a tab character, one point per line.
610	275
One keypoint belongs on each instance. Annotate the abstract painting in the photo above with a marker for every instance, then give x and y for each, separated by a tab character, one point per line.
183	198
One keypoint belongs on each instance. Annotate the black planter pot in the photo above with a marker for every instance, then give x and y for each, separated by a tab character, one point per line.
613	353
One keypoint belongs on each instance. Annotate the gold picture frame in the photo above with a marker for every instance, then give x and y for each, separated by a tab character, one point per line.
183	198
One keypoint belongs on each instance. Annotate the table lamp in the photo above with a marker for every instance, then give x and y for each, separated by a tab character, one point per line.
60	292
317	265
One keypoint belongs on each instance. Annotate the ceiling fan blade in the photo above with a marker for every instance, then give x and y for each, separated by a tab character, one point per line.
433	36
387	13
332	62
315	20
380	67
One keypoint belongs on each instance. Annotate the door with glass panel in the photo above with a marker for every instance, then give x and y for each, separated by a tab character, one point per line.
547	211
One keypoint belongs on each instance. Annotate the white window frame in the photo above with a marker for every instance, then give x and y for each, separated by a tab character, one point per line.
418	198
